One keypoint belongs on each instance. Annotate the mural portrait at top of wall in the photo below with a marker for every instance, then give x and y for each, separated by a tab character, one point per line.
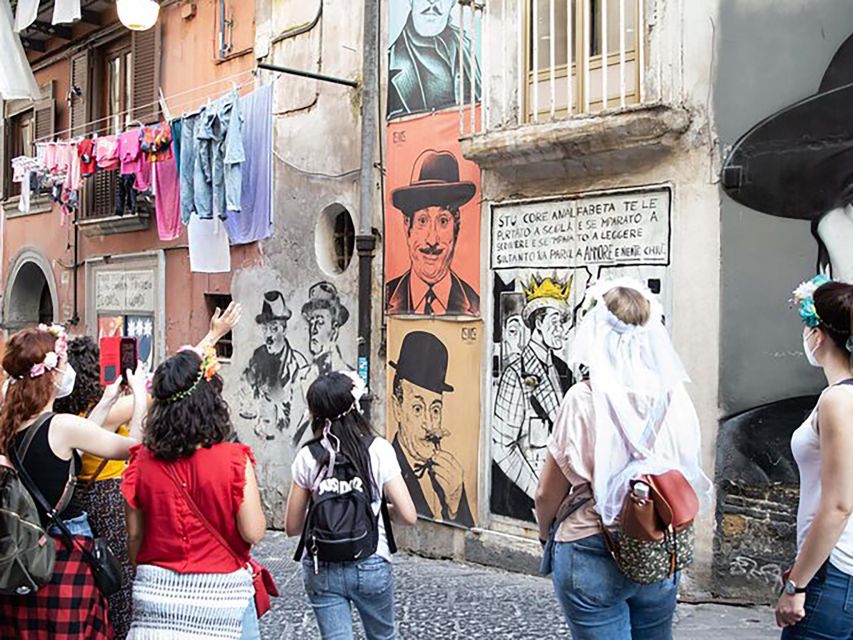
433	414
432	221
425	67
797	163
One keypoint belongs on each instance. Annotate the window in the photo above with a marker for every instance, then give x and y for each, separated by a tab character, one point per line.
225	346
119	88
566	68
344	240
334	239
21	139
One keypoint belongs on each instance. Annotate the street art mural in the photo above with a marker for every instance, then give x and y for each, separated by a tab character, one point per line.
793	164
433	414
273	371
432	221
544	255
142	328
425	64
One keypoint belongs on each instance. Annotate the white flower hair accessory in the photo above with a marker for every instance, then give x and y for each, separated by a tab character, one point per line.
51	358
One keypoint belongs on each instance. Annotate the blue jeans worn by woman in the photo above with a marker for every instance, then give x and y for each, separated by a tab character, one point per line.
78	526
829	608
600	603
369	585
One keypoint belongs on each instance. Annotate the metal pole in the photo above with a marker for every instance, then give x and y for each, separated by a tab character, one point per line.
308	74
365	240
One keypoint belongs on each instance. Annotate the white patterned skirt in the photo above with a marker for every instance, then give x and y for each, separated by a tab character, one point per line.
178	606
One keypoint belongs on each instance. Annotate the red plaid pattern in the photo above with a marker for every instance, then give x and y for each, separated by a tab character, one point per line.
70	607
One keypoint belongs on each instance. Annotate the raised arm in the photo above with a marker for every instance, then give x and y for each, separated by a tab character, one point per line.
72	432
101	412
220	324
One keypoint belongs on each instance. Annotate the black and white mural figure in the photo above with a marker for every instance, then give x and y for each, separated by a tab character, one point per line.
424	60
528	397
435	478
513	330
273	370
798	163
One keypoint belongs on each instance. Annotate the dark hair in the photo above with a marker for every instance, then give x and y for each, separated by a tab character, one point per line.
833	302
25	396
84	356
176	428
330	399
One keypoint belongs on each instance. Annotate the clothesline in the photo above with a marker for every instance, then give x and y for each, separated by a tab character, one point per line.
119	114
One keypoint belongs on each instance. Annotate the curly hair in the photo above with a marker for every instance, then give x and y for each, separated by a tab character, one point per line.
84	355
176	428
26	396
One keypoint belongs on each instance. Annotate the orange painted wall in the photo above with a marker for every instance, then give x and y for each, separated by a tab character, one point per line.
188	61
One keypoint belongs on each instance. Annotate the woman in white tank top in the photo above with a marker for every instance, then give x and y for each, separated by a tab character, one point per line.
817	600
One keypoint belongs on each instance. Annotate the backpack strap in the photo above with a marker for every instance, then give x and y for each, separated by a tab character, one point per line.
33	429
18	456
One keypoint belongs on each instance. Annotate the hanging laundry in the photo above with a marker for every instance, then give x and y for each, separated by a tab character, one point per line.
16	75
156	142
23	168
177	126
186	169
86	153
167	200
126	194
128	152
66	11
217	177
26	14
106	153
72	180
51	157
209	248
254	221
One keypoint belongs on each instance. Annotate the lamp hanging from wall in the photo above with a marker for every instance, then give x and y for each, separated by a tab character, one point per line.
138	15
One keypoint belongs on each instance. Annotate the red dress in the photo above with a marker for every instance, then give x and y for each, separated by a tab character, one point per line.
174	538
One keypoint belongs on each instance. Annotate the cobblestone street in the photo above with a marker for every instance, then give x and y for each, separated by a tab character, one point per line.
442	599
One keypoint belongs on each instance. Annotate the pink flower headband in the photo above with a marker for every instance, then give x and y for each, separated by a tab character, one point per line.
51	358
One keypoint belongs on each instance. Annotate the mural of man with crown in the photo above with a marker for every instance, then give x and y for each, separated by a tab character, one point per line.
528	397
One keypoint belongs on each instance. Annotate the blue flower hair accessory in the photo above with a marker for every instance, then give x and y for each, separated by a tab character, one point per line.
804	300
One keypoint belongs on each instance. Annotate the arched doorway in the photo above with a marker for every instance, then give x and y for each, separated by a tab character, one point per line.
30	294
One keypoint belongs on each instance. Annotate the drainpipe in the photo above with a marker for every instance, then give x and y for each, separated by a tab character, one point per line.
365	241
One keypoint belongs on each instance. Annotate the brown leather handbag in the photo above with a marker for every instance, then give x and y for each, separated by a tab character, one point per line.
655	533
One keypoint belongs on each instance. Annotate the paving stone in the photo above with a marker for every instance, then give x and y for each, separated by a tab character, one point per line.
440	599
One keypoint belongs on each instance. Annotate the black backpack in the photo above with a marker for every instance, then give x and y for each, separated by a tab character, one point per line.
27	553
340	525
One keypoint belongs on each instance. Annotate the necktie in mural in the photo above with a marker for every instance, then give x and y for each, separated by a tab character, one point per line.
429	299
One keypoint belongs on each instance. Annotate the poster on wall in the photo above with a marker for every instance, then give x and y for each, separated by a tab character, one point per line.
109	326
432	221
433	414
425	69
545	254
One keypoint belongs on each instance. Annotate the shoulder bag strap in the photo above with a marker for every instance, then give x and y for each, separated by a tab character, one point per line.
386	520
170	470
97	473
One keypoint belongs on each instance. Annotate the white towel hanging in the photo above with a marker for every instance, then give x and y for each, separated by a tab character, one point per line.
66	11
26	14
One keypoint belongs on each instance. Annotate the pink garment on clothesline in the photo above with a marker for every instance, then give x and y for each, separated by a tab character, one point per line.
128	152
106	152
167	202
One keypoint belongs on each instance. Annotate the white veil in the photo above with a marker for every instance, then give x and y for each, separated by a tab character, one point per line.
644	419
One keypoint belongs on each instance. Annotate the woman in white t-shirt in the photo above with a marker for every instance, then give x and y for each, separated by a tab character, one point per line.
334	587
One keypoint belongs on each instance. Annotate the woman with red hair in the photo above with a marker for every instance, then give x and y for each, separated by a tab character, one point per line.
47	445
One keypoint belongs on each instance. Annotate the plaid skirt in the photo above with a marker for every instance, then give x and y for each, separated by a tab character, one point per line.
69	607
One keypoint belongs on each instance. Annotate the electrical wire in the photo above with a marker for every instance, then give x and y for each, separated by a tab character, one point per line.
317	174
134	108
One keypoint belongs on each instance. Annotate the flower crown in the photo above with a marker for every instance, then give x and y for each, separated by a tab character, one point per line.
209	367
803	299
51	358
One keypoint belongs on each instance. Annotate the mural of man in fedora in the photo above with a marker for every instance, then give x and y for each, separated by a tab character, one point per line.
325	314
272	371
798	163
434	476
430	205
424	61
529	394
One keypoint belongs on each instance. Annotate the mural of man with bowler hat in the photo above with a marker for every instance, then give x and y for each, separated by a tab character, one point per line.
433	475
430	205
272	371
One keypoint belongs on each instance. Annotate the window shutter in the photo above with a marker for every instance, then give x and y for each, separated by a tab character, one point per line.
145	58
45	119
104	194
81	110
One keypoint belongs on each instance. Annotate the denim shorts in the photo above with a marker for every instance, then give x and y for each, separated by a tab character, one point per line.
78	526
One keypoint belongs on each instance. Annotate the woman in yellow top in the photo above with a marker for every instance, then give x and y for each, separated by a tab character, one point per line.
99	482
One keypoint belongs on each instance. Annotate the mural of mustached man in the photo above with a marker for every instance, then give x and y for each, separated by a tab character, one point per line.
273	370
424	60
798	163
528	397
430	205
325	314
434	476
